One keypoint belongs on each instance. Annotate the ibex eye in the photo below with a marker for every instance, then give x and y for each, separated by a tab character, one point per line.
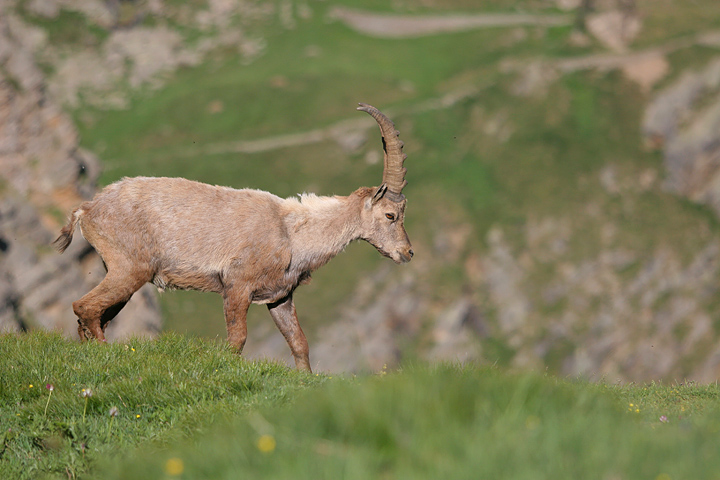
390	216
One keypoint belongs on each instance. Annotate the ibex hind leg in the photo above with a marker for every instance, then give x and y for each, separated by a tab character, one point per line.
96	309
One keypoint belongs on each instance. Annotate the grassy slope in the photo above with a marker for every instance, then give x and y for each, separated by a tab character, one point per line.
163	389
455	423
190	409
458	173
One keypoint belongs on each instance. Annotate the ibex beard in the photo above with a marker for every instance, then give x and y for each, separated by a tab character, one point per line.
247	245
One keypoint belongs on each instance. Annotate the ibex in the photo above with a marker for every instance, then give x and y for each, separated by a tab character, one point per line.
247	245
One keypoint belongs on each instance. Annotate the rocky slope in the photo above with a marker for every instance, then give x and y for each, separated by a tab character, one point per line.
44	174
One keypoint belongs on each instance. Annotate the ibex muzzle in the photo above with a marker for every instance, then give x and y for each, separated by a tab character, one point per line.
247	245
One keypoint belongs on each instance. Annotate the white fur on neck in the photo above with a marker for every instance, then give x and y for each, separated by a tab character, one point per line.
319	227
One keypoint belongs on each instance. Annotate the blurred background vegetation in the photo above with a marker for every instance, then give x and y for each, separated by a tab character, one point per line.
547	231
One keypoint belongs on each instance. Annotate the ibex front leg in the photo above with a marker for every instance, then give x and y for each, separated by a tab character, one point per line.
235	305
283	312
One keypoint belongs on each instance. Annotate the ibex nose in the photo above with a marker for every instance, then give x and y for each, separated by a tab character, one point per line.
411	253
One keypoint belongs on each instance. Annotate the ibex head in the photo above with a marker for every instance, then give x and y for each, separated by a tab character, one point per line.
384	208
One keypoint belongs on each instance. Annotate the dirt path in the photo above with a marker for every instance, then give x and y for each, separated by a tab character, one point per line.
409	26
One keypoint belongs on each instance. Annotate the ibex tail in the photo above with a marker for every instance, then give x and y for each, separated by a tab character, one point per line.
66	234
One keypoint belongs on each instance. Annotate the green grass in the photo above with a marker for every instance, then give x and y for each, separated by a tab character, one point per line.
69	29
164	389
191	409
670	19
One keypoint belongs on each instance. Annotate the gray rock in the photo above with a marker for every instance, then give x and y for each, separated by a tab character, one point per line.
689	132
42	170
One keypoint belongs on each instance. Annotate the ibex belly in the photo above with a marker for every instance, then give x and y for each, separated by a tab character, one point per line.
188	280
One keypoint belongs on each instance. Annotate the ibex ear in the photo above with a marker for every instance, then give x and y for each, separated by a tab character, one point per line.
379	193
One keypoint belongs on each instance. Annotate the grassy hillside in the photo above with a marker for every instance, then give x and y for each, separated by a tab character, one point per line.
163	391
512	161
190	409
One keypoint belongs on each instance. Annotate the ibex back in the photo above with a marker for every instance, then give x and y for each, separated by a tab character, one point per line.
249	246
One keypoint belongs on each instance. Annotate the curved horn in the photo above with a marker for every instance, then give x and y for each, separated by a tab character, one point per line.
394	172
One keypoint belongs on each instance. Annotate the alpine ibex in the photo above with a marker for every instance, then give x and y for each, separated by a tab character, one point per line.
247	245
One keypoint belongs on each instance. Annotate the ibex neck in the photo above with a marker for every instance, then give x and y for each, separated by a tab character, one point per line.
319	228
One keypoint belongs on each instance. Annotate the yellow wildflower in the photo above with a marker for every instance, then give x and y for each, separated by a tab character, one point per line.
174	466
266	443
